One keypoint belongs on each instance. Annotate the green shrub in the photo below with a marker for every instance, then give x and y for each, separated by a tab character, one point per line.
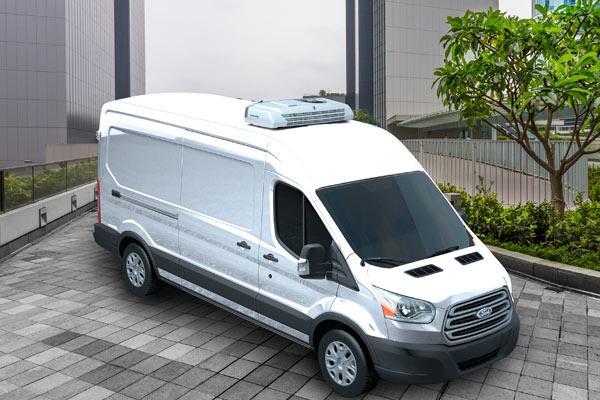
18	190
594	183
559	254
536	229
579	230
48	180
26	184
362	115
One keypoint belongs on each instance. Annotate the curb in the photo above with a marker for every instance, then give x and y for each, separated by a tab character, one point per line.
577	278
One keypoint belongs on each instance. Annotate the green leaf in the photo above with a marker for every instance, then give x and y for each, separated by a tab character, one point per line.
527	65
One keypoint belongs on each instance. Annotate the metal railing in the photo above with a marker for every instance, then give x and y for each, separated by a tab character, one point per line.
503	166
20	186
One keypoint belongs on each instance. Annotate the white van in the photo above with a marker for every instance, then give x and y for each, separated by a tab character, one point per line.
324	230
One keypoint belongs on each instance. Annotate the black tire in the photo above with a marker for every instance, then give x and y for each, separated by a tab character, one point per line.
150	282
365	375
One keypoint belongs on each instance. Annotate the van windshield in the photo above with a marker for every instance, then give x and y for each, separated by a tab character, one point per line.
396	219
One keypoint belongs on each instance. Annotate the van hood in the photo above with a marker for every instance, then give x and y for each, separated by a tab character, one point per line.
455	283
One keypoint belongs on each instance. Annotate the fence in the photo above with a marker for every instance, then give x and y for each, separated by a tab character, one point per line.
24	185
502	166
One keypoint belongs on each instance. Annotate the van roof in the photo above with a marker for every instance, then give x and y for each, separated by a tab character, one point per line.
328	153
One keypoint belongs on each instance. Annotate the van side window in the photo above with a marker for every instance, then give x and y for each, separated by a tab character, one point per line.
296	221
132	158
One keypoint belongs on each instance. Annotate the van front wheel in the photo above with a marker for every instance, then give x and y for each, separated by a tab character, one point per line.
344	365
138	271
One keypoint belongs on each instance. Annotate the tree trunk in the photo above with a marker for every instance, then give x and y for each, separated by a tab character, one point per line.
557	191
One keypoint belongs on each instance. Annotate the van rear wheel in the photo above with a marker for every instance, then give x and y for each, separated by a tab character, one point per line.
344	364
138	271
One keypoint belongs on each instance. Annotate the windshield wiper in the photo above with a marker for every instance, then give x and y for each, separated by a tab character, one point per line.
383	260
444	251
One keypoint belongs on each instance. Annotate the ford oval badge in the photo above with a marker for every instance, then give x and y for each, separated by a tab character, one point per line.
484	312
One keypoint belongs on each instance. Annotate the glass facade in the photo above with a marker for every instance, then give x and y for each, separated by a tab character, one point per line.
551	4
359	54
379	62
57	68
90	70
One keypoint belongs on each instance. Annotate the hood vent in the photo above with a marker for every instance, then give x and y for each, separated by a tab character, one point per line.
423	271
469	258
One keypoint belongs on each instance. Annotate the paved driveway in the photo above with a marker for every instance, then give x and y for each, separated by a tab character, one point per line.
70	329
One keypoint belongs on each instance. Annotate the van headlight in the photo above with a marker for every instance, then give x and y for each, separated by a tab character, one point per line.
405	309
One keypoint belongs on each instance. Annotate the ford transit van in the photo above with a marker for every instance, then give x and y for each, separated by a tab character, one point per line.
322	229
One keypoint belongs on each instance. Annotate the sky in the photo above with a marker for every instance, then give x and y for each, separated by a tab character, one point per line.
254	49
259	49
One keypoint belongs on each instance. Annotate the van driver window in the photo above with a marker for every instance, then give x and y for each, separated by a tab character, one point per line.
296	221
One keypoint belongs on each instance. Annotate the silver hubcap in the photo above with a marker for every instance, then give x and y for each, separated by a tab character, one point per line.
340	363
136	273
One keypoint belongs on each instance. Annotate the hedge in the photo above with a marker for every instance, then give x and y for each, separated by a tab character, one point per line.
536	229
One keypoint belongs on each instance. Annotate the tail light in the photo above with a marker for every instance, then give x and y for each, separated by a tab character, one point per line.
98	194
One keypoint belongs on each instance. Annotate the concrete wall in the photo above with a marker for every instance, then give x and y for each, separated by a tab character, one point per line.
17	223
62	152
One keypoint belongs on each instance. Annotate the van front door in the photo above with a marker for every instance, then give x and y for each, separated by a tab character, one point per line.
219	226
290	222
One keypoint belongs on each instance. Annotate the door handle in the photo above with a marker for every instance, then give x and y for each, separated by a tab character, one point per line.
115	193
270	257
243	245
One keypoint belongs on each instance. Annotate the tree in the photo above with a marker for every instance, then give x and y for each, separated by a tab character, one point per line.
519	71
361	115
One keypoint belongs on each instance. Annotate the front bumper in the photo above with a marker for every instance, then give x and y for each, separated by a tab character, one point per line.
433	363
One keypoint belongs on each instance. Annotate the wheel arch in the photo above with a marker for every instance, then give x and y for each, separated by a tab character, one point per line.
126	238
328	321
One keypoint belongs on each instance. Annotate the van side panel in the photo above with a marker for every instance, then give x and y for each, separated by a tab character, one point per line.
141	185
220	217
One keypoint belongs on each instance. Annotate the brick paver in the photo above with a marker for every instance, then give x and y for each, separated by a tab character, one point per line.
69	328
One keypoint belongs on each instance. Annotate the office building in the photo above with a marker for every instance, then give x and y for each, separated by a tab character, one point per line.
57	68
392	50
551	4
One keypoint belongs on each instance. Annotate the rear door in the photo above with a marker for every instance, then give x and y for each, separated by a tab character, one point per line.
142	186
289	222
220	220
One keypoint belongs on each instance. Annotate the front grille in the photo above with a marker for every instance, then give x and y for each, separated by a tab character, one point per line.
423	271
475	362
463	322
314	117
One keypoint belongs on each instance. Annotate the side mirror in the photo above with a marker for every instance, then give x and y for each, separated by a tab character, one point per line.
312	263
463	215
